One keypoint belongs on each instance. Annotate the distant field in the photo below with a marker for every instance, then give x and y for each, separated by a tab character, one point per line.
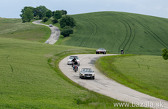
14	28
148	74
137	34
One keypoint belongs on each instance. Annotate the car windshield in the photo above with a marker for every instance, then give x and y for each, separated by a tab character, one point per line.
86	70
101	49
72	57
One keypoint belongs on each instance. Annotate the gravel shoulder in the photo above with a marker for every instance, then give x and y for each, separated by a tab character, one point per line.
106	86
55	32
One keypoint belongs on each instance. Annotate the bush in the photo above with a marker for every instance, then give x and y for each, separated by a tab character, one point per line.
165	54
54	21
36	17
67	31
45	19
67	21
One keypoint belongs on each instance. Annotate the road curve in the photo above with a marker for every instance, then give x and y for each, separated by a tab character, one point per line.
106	86
55	33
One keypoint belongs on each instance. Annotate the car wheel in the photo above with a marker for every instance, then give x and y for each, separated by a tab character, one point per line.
81	77
93	77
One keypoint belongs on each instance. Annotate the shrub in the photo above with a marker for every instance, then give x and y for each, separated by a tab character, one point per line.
67	31
165	54
54	21
67	21
36	17
45	19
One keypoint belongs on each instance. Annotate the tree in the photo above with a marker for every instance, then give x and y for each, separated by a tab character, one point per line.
67	21
25	8
57	14
64	12
165	54
27	14
40	11
49	13
67	31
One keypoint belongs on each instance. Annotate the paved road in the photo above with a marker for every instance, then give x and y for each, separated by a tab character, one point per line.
55	33
106	86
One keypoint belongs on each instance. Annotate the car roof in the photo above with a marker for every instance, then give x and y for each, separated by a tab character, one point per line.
75	56
102	48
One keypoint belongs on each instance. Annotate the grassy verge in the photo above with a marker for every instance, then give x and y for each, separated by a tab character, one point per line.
14	28
147	74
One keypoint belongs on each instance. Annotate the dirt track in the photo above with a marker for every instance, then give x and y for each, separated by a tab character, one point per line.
106	86
55	33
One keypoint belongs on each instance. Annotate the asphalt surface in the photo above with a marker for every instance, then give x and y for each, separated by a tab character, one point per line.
55	33
108	87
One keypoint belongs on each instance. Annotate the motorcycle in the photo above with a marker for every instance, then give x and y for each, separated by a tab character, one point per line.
75	68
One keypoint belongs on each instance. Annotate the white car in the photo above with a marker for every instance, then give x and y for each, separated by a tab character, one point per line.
86	73
71	58
101	50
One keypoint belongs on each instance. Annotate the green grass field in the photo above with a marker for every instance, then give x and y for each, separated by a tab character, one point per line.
14	28
30	77
144	73
136	34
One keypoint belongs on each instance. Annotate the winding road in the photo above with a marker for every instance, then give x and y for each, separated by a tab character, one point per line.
109	87
102	84
55	32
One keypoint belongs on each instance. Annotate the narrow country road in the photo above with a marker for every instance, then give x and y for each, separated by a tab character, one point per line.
55	33
109	87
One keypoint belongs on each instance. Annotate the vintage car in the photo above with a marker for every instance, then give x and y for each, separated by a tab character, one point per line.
71	58
101	50
87	73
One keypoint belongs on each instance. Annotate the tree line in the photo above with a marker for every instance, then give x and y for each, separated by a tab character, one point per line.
67	23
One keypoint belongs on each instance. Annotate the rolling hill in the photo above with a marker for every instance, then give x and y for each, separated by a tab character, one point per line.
14	28
29	74
136	34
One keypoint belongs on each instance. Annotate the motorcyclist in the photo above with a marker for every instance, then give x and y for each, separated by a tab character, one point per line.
74	59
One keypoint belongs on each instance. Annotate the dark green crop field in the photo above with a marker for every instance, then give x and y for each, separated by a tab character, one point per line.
136	34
